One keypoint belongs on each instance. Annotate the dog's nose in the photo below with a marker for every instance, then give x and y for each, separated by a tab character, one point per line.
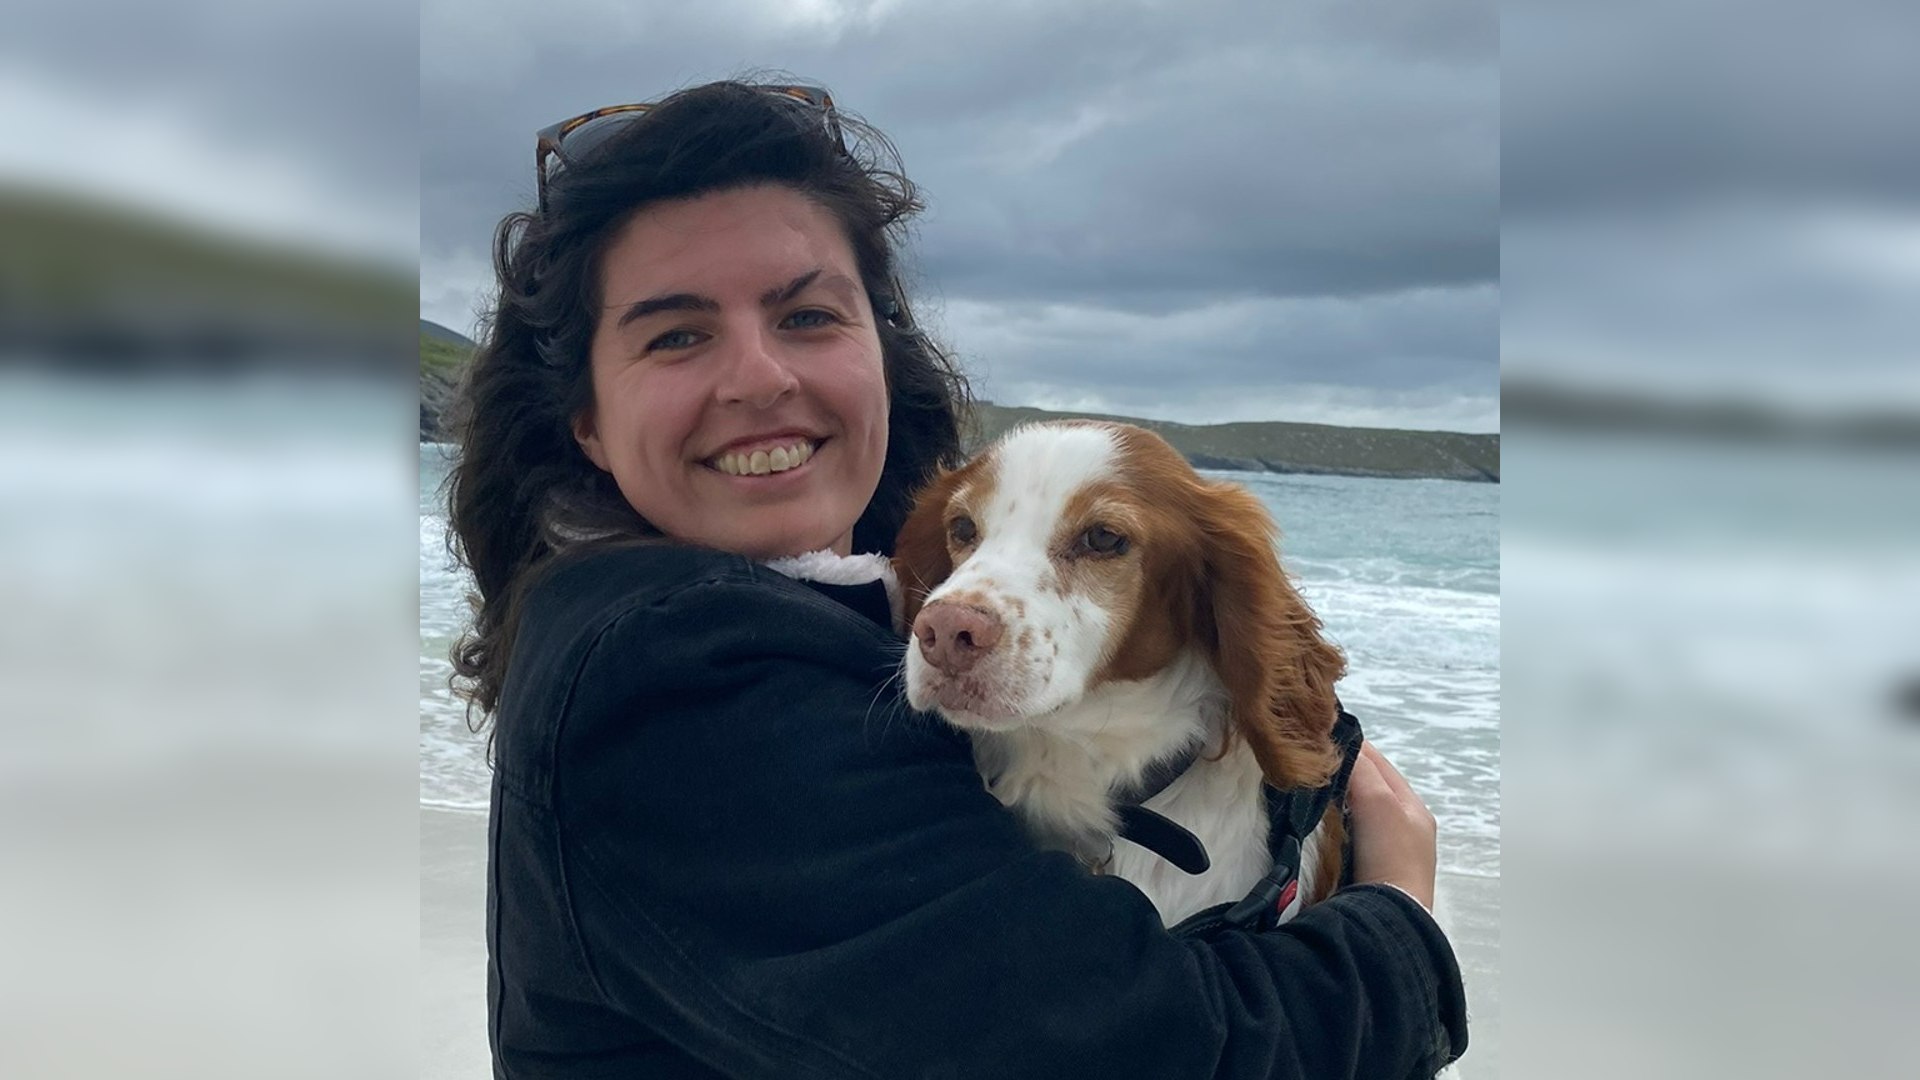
953	637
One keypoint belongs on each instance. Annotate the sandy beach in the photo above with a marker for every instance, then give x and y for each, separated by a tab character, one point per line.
453	945
1469	908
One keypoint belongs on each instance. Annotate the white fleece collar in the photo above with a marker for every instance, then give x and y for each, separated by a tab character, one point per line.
828	568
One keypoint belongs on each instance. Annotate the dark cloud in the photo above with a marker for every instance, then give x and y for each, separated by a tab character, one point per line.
330	92
1651	103
1715	199
1317	171
1399	342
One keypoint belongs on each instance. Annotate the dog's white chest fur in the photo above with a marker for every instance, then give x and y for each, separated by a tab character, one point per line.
1060	777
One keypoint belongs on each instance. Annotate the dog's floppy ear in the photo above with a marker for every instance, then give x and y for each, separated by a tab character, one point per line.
1266	644
920	558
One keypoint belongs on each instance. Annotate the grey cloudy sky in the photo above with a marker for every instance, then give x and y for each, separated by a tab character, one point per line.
1203	211
1199	211
1713	199
294	120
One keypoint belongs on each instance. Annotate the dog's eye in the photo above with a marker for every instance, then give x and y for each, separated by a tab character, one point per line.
962	531
1101	540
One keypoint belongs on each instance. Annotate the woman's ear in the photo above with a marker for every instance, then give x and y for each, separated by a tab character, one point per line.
920	557
587	435
1279	672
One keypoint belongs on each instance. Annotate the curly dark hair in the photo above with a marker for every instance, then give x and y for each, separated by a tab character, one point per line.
521	489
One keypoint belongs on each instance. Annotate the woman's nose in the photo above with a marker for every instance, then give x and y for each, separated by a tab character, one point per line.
757	374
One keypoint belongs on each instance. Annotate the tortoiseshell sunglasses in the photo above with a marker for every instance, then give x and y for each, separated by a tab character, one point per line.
575	137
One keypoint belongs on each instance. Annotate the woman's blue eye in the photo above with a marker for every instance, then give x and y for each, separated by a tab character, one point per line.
672	339
812	318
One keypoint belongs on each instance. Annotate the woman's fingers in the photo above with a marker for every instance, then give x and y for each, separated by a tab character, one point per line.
1390	775
1365	771
1381	766
1393	832
1369	781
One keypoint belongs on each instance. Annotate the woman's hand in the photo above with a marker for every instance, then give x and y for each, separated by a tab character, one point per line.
1393	831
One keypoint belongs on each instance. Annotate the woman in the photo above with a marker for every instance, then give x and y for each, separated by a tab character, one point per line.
718	847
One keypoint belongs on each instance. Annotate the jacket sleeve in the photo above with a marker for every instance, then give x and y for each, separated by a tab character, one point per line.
778	872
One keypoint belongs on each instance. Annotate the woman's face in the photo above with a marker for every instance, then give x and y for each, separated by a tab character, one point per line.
739	397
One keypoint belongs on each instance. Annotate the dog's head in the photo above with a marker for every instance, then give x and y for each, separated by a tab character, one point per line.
1074	554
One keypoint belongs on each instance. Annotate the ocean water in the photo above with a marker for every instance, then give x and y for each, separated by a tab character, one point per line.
1405	575
204	617
453	766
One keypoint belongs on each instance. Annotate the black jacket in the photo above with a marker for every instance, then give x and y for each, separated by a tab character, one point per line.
718	847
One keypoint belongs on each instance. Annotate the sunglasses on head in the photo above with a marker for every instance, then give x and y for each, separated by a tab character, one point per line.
579	135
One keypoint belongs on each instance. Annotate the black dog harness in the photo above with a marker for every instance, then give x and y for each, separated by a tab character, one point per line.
1294	814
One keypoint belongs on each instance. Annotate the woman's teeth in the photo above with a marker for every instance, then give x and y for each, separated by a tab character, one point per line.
763	462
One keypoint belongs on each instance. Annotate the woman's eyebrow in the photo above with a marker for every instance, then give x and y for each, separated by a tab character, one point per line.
790	290
672	302
837	283
777	295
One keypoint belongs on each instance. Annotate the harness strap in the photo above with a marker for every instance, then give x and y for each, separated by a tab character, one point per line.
1164	837
1295	814
1302	809
1158	777
1154	831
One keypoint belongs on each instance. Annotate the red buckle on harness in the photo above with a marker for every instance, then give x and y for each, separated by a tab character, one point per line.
1286	897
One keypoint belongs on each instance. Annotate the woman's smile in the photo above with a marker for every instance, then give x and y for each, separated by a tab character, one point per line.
759	458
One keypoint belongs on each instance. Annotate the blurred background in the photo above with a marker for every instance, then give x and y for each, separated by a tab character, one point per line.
208	238
1711	538
209	519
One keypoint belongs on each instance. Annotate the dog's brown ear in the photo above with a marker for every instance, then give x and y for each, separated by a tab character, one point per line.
920	558
1266	644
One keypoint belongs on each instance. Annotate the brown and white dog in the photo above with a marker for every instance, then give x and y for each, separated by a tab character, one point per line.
1085	605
